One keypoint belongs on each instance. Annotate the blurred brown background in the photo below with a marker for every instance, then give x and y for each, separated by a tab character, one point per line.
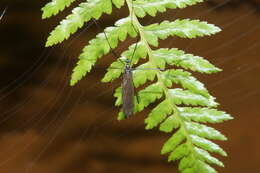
48	127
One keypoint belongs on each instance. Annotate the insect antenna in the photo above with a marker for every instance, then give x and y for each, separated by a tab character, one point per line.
112	50
138	39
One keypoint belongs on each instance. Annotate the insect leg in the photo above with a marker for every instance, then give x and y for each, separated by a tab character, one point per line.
137	96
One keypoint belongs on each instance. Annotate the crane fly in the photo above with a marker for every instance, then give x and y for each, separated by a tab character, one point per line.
128	89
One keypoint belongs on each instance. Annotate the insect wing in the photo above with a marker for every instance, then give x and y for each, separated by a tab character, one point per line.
128	93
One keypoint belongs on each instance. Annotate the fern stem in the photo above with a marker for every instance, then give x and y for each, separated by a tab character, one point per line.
136	24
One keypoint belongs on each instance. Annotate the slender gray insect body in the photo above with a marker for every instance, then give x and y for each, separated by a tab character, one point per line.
128	91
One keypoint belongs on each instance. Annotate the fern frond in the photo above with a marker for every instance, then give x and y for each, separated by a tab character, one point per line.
81	14
187	61
205	156
172	143
204	131
181	110
185	28
151	7
203	115
207	145
54	7
158	114
180	96
187	81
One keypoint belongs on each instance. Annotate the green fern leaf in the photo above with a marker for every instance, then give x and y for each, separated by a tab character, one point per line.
118	95
81	14
205	156
118	3
114	71
180	152
204	131
145	98
158	114
152	39
151	7
203	115
143	73
186	162
183	28
207	145
169	124
187	81
173	142
187	61
187	97
54	7
205	168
